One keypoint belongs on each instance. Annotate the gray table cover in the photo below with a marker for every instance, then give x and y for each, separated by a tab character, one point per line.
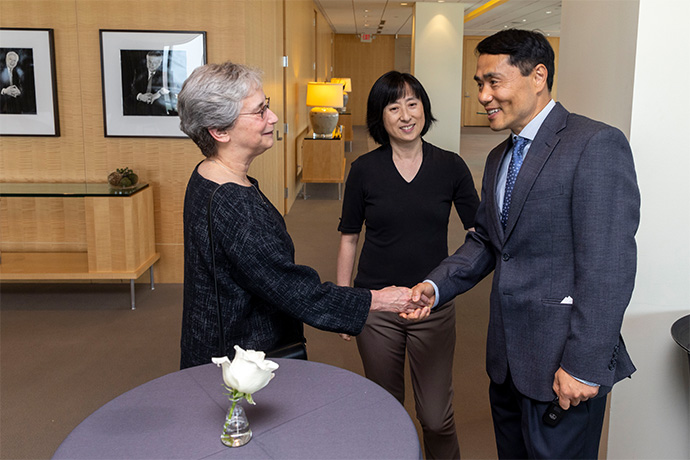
308	411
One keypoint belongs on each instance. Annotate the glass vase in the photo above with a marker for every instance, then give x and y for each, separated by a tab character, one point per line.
236	431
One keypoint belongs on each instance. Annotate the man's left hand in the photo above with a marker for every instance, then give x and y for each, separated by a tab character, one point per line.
571	391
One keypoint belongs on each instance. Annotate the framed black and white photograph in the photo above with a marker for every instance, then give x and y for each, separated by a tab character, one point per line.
142	74
28	88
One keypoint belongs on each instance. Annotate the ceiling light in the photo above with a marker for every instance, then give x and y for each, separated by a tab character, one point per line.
403	4
366	11
548	12
524	20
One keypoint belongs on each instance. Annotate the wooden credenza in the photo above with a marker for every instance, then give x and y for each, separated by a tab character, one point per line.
323	161
76	232
345	120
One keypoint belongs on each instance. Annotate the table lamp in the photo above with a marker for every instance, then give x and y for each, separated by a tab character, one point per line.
347	88
323	97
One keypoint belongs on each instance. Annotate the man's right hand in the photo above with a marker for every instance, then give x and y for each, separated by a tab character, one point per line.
422	290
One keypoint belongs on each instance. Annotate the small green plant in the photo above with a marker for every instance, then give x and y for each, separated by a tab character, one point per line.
123	177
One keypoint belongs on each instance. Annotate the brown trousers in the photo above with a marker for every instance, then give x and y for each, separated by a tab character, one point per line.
430	346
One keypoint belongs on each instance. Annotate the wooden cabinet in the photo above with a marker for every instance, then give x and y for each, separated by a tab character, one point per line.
345	121
323	161
118	228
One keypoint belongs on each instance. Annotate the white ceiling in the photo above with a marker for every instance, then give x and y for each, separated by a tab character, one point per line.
365	16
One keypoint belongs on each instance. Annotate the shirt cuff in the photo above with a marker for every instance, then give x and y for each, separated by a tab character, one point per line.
435	292
585	382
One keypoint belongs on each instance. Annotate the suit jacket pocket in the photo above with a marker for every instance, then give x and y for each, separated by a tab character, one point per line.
555	303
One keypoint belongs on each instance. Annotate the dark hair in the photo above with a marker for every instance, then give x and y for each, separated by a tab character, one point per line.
389	88
526	49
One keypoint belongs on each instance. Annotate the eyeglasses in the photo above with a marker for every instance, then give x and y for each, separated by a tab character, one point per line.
262	110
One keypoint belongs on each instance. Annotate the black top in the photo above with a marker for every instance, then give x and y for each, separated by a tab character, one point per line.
406	223
264	295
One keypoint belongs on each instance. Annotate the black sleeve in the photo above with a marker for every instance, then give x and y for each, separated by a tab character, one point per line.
262	264
464	193
352	217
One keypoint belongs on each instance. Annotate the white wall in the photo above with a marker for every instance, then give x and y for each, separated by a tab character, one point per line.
601	59
437	41
649	413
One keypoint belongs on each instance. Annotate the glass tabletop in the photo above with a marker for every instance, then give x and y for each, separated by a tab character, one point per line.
34	189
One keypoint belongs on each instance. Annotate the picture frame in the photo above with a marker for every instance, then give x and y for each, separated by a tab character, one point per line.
142	72
28	86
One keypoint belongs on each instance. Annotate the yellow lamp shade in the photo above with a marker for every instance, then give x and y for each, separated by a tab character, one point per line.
321	94
323	97
345	81
347	87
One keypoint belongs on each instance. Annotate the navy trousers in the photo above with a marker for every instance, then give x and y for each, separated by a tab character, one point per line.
521	433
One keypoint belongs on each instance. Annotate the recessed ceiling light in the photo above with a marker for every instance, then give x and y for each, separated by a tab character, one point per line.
366	11
403	4
548	12
524	20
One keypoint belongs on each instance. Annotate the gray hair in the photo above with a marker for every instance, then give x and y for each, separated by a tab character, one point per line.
211	97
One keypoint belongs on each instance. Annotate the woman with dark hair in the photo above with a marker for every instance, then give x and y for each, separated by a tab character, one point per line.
403	192
241	284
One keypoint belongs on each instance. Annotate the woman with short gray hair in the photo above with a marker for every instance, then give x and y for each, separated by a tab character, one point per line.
241	284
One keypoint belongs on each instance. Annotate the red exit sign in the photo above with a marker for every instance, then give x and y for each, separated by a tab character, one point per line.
366	38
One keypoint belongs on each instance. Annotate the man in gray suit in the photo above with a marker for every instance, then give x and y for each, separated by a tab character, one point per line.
557	222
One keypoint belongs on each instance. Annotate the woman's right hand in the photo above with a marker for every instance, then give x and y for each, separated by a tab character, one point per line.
346	337
396	300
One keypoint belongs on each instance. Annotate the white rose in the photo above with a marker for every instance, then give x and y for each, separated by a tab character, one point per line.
248	372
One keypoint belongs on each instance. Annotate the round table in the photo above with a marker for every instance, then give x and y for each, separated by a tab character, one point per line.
680	331
309	410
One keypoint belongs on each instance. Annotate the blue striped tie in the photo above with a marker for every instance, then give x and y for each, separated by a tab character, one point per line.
513	170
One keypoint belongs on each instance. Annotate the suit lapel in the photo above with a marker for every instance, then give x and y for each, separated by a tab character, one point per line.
493	167
539	152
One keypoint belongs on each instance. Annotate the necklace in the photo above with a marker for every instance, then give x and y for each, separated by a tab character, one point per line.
241	176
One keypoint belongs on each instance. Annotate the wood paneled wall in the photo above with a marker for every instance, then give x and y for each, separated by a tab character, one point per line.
300	33
243	31
363	63
50	159
263	32
324	49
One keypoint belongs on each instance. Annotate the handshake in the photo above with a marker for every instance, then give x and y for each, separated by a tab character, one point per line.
413	304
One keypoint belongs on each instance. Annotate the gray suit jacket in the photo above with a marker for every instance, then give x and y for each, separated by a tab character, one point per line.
570	232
